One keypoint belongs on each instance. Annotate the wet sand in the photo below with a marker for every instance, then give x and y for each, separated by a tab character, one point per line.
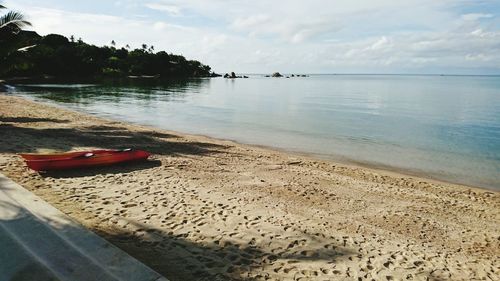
207	209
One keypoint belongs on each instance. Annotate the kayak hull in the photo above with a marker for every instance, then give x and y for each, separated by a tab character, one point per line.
84	159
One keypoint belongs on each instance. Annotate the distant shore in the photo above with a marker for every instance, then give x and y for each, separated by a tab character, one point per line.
203	208
96	79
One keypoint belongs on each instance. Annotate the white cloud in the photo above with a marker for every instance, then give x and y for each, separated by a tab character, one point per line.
382	43
476	16
452	49
101	29
477	57
250	22
159	25
170	9
294	31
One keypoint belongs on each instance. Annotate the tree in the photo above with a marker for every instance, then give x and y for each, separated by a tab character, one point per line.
113	43
10	40
72	39
144	47
12	22
58	56
55	40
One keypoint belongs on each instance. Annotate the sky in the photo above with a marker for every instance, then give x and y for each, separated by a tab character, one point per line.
313	36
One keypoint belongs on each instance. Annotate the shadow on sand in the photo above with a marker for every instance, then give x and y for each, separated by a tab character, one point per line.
31	120
18	139
178	258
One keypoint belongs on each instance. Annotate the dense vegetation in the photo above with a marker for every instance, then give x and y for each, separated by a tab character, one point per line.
56	55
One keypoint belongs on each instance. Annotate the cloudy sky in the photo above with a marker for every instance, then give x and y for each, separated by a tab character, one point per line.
313	36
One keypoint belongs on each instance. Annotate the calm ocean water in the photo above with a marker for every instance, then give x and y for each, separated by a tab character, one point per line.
444	127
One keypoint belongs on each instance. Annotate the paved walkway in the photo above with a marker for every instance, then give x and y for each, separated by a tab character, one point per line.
38	242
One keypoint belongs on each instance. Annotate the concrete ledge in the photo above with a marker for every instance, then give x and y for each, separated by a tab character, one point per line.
38	242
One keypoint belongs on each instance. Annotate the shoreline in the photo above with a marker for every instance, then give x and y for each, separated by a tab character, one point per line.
334	159
373	167
205	209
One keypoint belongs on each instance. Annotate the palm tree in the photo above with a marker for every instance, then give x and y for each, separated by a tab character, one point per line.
12	22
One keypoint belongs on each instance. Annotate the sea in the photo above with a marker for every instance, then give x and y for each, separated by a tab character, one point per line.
437	126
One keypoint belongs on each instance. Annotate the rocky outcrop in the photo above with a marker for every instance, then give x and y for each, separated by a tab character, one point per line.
233	76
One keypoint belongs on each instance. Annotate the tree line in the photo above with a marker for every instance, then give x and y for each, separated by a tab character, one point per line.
25	53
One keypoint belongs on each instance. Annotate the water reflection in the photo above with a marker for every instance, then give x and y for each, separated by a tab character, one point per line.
115	92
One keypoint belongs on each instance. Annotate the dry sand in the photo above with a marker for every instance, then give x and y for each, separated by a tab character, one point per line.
206	209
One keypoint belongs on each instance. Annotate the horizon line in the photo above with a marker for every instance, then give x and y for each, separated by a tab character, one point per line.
384	74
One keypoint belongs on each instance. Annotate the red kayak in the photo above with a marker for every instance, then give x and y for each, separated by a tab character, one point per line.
82	159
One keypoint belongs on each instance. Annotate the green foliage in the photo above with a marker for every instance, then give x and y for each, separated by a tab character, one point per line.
54	40
12	22
55	55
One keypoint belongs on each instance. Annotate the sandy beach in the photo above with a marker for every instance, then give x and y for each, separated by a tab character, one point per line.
207	209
